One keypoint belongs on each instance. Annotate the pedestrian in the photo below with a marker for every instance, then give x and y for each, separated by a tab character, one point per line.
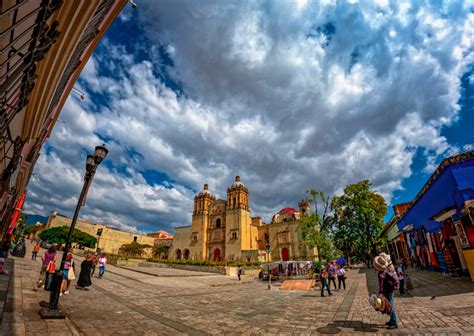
46	259
6	244
332	275
323	276
95	260
341	276
102	263
401	276
388	281
68	274
239	271
36	249
84	280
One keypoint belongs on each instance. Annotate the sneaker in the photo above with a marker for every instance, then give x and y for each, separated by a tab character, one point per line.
393	326
66	293
60	294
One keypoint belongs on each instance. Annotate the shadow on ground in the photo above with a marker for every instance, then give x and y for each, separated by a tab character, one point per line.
425	284
355	326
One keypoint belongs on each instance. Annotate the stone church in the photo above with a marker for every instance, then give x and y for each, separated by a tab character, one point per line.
224	230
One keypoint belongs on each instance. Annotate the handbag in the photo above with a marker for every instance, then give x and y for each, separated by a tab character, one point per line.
70	273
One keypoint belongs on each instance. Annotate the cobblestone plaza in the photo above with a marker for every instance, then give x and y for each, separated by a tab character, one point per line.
173	302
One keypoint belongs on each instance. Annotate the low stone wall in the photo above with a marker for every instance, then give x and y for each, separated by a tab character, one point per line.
225	270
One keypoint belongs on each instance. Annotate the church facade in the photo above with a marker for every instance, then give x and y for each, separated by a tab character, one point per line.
224	230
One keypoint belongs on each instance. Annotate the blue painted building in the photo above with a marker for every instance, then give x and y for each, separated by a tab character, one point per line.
438	226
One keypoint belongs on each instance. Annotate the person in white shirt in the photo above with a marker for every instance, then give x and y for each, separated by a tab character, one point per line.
102	263
401	276
341	276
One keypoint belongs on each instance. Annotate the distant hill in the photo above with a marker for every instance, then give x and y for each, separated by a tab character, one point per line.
32	219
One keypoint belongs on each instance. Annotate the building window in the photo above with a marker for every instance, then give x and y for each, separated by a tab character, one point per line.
283	237
135	239
195	237
233	235
218	223
234	202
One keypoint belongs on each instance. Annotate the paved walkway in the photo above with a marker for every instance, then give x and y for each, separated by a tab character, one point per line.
125	302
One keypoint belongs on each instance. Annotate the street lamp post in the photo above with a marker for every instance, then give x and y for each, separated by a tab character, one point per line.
51	310
269	273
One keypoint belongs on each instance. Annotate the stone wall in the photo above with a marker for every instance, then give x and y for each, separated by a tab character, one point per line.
111	239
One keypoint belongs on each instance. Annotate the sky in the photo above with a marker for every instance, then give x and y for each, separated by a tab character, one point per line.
290	95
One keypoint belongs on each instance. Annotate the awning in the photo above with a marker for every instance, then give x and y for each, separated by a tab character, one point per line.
445	196
16	213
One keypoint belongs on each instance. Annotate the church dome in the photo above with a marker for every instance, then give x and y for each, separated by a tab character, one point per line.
237	183
289	211
205	191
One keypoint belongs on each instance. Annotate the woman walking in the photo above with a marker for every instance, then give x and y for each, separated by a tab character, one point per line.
341	276
49	257
102	263
85	275
68	274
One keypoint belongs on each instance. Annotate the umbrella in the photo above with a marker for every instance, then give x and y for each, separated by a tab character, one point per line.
341	261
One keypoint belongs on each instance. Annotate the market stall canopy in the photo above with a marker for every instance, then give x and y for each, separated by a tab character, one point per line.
445	194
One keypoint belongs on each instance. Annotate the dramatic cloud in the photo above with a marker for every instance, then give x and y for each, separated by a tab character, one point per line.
288	95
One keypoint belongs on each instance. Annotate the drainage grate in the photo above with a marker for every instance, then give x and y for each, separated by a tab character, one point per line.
329	330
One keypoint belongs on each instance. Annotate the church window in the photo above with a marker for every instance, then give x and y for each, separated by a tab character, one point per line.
135	238
233	235
218	223
234	202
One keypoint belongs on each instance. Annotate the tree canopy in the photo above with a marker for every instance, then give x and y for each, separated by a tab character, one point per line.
359	219
58	235
133	249
316	226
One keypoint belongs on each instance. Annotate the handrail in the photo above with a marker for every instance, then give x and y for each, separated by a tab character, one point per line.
16	24
12	8
17	38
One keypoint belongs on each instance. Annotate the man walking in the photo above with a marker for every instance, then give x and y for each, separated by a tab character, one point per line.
239	271
36	249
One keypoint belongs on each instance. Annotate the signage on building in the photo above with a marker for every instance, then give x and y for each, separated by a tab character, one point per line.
99	232
461	234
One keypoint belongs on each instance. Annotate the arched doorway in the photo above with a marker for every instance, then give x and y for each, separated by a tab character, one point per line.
186	254
177	254
217	254
285	254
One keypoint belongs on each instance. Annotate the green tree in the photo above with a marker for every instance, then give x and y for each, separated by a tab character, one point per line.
161	250
359	219
133	249
58	235
316	225
33	229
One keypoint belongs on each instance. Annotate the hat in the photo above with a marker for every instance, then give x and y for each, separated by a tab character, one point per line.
380	263
386	257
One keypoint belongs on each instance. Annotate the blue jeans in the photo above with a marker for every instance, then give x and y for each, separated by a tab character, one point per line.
324	284
101	270
393	316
